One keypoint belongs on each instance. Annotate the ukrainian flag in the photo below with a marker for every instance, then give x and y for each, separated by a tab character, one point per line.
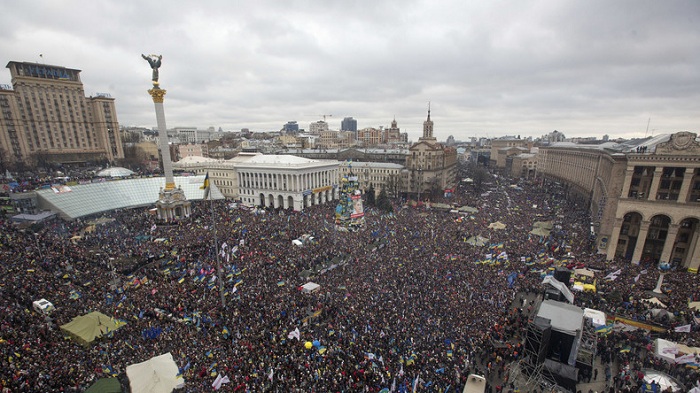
604	329
109	370
205	186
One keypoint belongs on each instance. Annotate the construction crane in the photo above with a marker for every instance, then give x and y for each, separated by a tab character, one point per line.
324	117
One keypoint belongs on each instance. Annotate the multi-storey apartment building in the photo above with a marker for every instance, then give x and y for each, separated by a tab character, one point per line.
45	116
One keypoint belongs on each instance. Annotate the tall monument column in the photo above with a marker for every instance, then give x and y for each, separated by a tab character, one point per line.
158	95
172	205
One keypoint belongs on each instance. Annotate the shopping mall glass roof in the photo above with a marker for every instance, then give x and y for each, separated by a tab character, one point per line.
80	200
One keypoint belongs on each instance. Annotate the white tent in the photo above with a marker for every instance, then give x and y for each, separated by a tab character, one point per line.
596	316
310	287
156	375
655	301
664	380
666	350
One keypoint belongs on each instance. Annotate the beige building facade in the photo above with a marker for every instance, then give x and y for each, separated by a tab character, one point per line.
431	165
380	175
192	150
47	117
524	165
644	201
501	149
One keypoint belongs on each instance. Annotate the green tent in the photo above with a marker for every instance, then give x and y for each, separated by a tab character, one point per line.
540	231
468	209
497	225
105	385
86	328
543	224
477	241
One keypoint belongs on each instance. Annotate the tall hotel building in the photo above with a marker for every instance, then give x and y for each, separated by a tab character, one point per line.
45	116
644	197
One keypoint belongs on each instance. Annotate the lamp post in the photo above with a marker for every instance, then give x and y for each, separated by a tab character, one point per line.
663	268
420	181
219	270
38	246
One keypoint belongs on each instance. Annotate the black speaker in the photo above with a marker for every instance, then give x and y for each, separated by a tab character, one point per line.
563	275
537	339
553	294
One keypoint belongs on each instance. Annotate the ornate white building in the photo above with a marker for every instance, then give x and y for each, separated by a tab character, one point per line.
284	181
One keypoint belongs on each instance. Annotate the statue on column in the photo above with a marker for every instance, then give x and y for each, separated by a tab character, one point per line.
154	61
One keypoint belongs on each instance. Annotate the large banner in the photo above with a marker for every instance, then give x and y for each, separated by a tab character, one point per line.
357	209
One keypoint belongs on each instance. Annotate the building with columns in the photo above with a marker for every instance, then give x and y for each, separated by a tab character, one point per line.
288	182
644	198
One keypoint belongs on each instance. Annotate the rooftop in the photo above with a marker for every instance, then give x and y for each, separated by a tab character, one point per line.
86	199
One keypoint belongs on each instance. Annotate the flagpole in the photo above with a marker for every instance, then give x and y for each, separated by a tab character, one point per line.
216	251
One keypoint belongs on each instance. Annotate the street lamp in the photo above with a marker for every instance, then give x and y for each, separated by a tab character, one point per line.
420	181
663	268
41	254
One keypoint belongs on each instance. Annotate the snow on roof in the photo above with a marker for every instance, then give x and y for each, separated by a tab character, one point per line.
283	159
196	160
115	171
372	164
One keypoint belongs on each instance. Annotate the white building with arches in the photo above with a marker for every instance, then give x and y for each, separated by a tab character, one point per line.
285	181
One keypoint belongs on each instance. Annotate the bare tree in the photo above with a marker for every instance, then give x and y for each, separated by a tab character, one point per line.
134	157
394	185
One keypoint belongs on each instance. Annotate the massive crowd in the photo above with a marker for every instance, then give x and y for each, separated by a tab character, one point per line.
413	306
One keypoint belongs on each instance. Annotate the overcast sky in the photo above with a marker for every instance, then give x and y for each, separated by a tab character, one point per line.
489	68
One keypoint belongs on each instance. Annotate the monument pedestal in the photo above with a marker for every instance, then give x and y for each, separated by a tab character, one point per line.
172	205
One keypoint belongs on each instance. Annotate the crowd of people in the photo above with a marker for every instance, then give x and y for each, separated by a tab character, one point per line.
413	307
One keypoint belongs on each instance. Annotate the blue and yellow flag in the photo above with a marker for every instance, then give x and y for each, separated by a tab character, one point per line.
109	370
205	186
604	329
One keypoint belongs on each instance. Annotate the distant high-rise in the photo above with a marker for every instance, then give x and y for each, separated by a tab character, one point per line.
47	118
317	127
348	124
291	127
393	133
